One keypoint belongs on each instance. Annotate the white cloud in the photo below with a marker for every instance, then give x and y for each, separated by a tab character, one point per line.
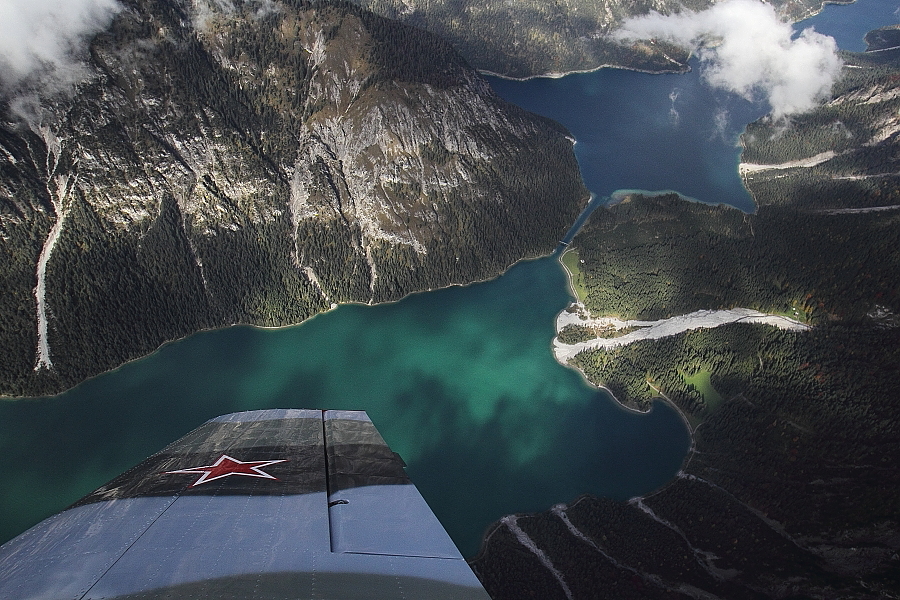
207	11
721	121
745	48
43	42
674	116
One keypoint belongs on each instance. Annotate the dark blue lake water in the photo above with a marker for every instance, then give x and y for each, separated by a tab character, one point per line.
670	132
651	132
848	25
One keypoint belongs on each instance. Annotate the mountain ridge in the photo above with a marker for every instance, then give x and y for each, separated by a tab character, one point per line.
258	168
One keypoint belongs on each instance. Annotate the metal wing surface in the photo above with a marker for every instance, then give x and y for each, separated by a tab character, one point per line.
262	504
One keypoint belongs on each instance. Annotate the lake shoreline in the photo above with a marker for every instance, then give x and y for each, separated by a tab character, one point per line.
561	74
687	69
333	307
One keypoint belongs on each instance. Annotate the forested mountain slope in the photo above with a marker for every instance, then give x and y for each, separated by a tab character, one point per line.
532	37
843	154
257	164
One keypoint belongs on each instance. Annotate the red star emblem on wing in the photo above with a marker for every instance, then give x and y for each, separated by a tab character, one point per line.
226	466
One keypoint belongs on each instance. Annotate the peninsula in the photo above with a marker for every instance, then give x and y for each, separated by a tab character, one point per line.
790	486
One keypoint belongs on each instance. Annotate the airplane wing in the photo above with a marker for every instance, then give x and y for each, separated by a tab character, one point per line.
263	504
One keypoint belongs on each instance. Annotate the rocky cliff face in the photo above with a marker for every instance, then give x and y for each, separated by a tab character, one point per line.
257	163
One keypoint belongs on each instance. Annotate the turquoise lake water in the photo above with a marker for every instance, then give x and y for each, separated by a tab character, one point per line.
460	382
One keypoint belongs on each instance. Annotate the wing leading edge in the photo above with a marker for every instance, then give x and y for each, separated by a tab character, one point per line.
261	504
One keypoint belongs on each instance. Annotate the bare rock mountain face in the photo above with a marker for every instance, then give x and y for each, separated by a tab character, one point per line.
257	164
